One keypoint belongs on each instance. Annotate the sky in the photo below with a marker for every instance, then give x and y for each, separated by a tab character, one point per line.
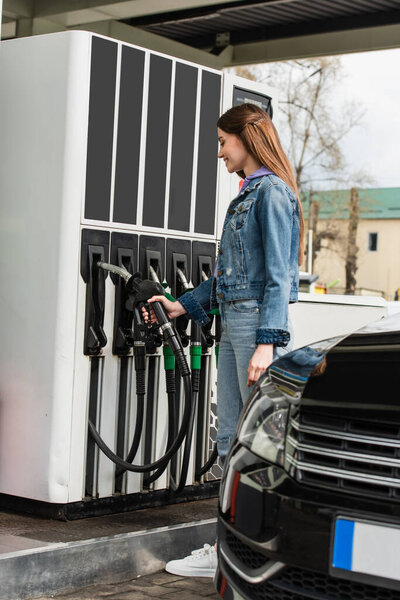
371	78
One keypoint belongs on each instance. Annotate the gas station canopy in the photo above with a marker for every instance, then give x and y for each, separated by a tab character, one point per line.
219	33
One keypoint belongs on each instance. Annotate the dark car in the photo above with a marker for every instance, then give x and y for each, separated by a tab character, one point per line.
310	495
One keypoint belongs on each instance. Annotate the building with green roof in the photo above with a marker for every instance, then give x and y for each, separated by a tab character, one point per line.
375	203
378	238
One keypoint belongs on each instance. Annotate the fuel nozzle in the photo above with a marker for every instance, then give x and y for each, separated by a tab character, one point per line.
142	291
139	292
121	271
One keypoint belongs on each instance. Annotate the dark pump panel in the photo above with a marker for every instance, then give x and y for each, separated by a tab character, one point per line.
124	253
207	162
180	189
203	261
157	141
128	141
178	263
242	96
152	254
103	72
94	248
178	257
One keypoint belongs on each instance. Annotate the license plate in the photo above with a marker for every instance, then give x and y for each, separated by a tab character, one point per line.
367	548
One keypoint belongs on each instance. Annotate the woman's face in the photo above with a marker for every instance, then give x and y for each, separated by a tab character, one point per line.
232	151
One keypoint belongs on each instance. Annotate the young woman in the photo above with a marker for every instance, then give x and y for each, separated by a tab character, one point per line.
256	275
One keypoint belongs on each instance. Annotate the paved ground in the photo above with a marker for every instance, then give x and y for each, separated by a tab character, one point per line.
158	585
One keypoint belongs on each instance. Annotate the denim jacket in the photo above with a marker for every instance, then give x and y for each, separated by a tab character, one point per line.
257	259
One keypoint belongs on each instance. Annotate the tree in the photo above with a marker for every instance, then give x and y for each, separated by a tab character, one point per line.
329	232
352	249
313	122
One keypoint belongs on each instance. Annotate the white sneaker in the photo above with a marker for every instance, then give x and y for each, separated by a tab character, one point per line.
200	563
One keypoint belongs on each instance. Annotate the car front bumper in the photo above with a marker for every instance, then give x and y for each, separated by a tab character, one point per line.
275	537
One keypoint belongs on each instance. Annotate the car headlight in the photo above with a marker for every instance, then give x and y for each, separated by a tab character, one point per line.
263	427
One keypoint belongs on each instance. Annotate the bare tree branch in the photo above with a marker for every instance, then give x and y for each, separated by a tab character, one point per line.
314	124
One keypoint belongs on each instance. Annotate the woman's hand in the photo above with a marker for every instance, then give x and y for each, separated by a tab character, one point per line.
261	359
174	309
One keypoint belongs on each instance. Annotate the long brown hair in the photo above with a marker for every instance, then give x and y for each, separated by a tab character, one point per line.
257	132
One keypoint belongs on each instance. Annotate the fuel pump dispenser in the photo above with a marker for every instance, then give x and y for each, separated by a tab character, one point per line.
114	163
138	293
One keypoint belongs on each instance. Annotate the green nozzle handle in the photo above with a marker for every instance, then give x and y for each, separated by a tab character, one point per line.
169	358
195	358
216	353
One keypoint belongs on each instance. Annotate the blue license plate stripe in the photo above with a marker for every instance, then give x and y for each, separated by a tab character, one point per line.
343	545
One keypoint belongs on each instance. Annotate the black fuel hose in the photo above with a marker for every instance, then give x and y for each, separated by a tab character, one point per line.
196	366
171	392
170	451
195	355
140	355
137	433
187	449
207	466
214	454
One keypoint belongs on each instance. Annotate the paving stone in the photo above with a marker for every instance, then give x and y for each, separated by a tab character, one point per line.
137	595
160	585
145	582
95	592
201	585
152	591
208	592
183	595
163	577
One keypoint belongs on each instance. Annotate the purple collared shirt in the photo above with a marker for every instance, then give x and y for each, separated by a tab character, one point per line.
259	173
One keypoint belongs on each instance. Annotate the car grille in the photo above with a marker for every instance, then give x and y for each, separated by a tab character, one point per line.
301	584
244	553
355	456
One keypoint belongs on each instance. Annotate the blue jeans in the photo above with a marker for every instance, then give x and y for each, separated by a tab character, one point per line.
240	320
